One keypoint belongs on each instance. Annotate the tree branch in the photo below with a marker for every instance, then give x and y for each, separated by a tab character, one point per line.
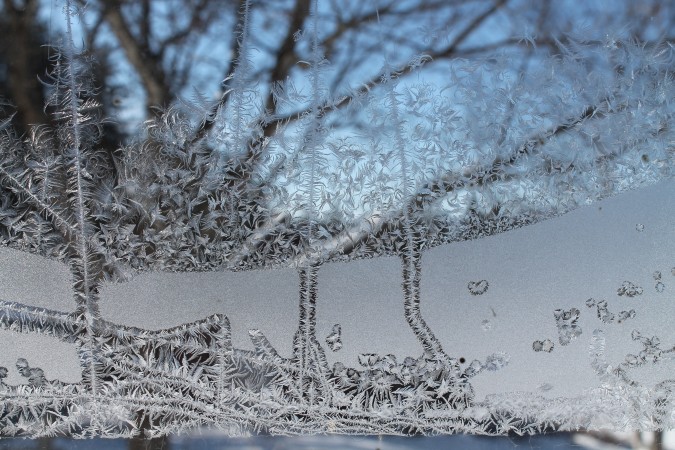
379	222
147	64
444	53
262	233
285	57
449	183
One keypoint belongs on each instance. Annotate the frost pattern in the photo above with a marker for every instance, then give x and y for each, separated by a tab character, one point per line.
543	346
651	353
486	325
566	321
605	315
629	289
426	169
334	339
619	373
478	287
659	286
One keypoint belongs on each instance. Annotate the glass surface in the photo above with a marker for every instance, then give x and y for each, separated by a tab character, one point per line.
391	218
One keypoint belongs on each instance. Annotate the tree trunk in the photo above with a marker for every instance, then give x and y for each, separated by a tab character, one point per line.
26	61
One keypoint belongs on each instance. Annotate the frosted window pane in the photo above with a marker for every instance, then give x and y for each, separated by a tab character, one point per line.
558	264
486	248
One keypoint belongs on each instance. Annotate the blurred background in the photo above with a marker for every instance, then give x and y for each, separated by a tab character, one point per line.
149	53
214	441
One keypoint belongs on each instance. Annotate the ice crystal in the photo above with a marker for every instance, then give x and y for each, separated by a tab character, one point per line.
334	339
478	287
543	346
566	321
629	289
605	315
545	387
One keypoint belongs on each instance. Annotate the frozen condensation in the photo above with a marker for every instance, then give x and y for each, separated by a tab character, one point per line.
397	169
543	346
605	315
334	339
568	328
478	287
629	289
